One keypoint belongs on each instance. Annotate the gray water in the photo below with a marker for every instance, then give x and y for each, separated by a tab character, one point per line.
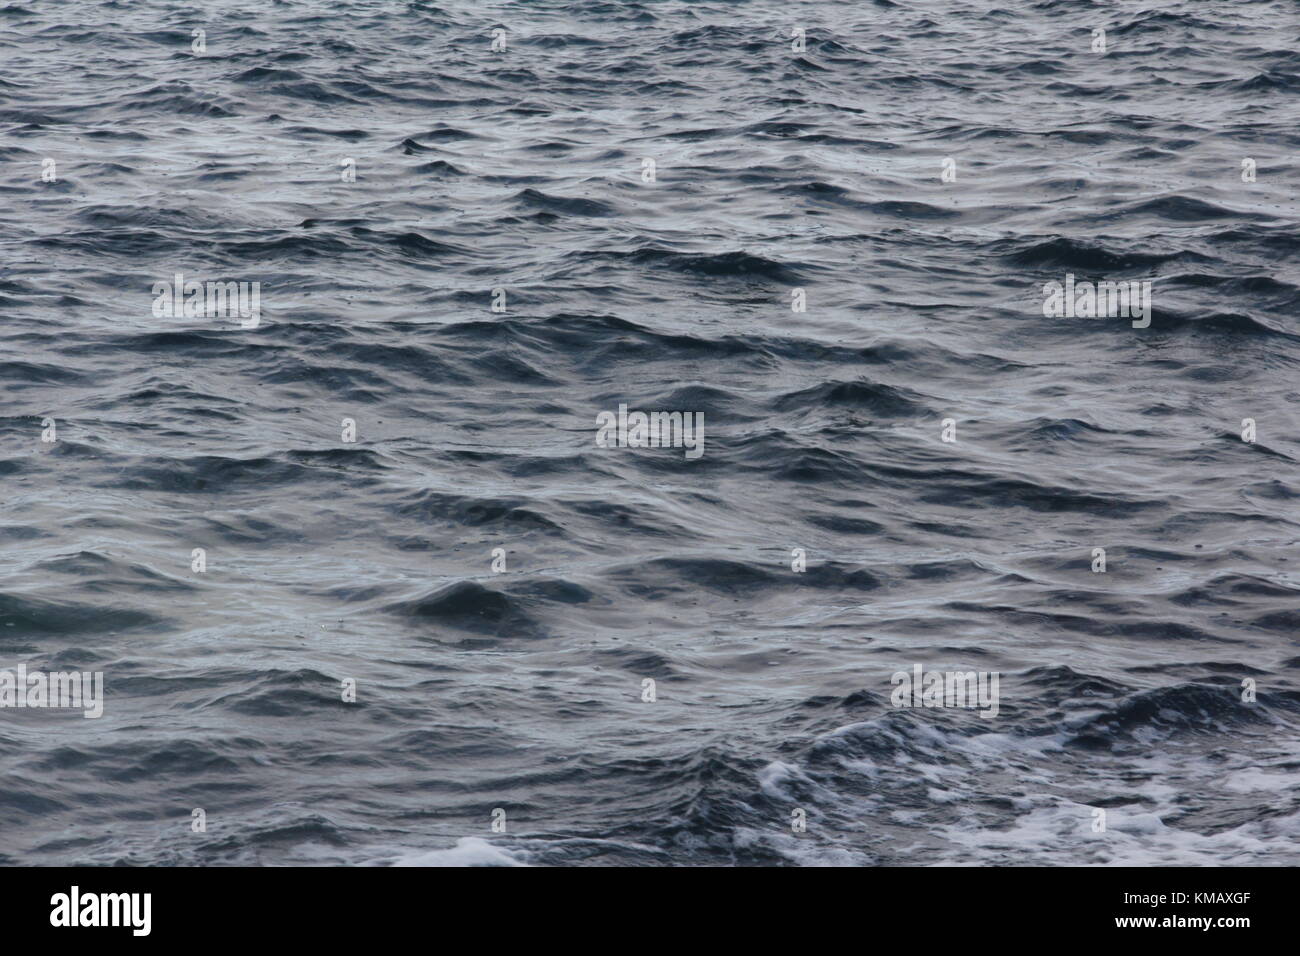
772	737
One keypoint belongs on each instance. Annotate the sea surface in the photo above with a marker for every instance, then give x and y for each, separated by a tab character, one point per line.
502	716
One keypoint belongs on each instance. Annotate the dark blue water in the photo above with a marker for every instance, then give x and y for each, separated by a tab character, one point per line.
774	171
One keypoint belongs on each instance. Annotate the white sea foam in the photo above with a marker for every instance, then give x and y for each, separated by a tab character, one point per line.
468	851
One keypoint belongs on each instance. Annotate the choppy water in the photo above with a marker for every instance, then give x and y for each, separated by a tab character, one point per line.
775	170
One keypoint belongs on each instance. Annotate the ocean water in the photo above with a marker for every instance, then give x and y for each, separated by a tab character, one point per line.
915	469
